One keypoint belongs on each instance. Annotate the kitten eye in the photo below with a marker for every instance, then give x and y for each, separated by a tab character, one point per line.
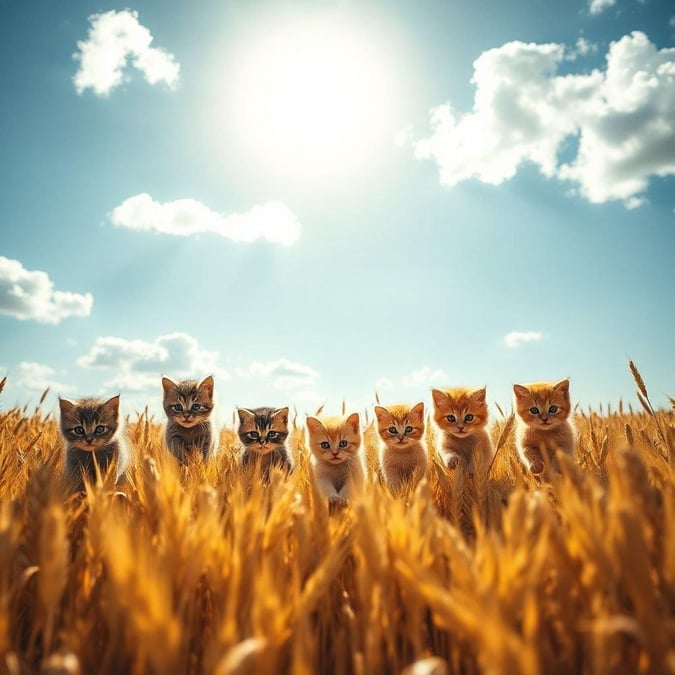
272	435
79	431
195	407
100	429
534	410
451	418
253	434
468	418
392	430
325	445
343	444
553	409
177	407
408	430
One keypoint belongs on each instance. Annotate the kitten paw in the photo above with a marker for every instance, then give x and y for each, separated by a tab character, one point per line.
337	501
452	463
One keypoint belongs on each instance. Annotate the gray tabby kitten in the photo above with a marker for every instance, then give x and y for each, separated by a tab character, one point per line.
188	407
263	433
93	435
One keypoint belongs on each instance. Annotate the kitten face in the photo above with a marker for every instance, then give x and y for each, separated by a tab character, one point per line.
263	430
334	440
460	412
89	423
400	426
543	405
188	403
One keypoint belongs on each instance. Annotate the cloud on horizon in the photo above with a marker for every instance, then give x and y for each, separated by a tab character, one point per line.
29	294
273	221
117	40
524	112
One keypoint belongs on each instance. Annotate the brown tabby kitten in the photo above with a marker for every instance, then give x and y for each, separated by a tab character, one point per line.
93	435
337	461
188	407
461	415
402	452
263	433
542	424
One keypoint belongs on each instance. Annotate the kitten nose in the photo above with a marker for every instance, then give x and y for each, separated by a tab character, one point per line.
460	427
544	418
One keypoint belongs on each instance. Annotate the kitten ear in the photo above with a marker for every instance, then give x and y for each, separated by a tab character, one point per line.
522	393
66	406
168	385
282	413
314	425
206	385
382	414
417	411
244	415
440	397
354	422
112	405
562	386
479	395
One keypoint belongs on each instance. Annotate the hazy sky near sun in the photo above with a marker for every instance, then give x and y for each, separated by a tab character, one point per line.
315	200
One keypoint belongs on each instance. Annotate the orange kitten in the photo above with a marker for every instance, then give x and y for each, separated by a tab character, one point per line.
402	452
542	425
337	460
461	415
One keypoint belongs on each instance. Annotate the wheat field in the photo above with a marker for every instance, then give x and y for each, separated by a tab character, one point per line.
200	569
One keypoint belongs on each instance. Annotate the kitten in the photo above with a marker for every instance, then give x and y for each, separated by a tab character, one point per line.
542	424
93	435
402	452
461	416
188	407
263	433
337	462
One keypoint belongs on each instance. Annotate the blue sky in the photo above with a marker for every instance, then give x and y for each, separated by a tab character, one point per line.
317	200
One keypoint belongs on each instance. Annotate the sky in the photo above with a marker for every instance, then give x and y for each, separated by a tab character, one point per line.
317	201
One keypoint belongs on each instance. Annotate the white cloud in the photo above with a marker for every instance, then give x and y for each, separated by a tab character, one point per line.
139	364
424	376
38	377
273	221
517	338
115	39
524	112
30	294
599	6
582	47
283	373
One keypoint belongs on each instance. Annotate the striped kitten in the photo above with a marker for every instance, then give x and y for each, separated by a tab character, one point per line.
337	461
188	407
94	435
263	433
402	452
461	415
542	424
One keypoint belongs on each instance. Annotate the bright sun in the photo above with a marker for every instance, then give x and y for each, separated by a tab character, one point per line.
312	96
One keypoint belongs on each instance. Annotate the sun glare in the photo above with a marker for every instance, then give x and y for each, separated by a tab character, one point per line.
312	96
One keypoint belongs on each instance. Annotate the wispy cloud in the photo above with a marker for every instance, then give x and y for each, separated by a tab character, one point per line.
38	377
30	294
599	6
523	112
424	376
517	338
273	221
283	374
116	40
137	365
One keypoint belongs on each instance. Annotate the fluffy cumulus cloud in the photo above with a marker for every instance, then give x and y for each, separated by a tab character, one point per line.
38	377
282	373
117	40
517	338
273	221
138	364
30	294
599	6
621	117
